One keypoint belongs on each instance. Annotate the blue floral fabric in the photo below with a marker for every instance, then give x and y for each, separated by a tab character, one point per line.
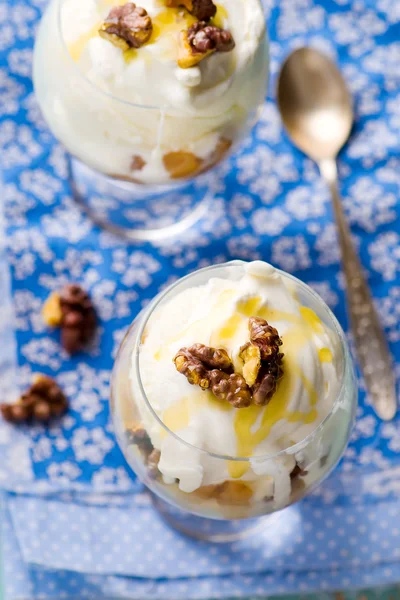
271	204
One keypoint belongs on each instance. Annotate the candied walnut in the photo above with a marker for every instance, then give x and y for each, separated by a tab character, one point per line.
192	368
195	363
15	413
79	318
51	311
214	358
181	164
137	163
152	464
127	26
43	401
232	388
187	56
264	389
47	389
72	310
41	411
204	10
201	40
251	357
212	369
204	38
262	360
265	337
267	382
21	413
268	341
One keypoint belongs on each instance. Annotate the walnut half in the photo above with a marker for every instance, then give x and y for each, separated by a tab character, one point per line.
192	368
262	360
201	40
127	26
204	10
232	388
211	368
214	358
265	337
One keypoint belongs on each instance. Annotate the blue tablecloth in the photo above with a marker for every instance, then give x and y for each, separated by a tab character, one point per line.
76	521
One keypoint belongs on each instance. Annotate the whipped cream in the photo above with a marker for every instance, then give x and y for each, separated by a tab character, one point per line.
217	314
196	108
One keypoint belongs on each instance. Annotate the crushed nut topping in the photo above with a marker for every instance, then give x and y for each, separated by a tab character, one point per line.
212	369
43	401
127	26
203	10
73	311
201	40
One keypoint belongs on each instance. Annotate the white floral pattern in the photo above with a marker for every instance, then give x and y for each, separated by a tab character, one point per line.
270	204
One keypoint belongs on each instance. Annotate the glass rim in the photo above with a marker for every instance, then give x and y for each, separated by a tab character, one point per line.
105	92
346	360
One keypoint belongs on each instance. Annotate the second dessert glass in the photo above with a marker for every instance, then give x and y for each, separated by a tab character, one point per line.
232	508
142	171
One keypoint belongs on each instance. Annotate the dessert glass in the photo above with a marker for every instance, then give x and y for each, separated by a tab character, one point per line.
108	136
228	510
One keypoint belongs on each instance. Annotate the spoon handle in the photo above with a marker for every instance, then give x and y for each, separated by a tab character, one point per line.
370	342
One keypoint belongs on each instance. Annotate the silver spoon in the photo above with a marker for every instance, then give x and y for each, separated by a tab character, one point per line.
317	111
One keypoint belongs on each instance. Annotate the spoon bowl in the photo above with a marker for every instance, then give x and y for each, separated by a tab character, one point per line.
315	105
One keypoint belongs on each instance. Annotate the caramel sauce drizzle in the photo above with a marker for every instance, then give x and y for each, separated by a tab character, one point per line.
167	24
253	425
76	48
